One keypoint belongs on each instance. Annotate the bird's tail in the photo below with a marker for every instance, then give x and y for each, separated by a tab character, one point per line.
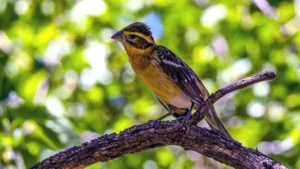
215	123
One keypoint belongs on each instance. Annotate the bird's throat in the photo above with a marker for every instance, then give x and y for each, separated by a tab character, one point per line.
139	58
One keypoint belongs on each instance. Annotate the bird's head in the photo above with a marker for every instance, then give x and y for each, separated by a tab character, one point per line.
136	35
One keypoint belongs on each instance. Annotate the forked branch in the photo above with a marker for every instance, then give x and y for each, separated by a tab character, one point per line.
157	134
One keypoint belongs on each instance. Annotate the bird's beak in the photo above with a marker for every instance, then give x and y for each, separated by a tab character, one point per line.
119	37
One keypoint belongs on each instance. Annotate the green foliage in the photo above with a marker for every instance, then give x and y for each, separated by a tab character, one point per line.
63	81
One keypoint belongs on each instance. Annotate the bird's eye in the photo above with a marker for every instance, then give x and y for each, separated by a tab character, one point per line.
132	36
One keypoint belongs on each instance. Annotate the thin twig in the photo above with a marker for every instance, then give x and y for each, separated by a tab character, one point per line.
201	112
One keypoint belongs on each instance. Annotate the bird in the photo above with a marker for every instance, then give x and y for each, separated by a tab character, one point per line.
175	85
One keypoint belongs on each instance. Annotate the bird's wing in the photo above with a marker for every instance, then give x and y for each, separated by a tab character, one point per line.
187	80
181	74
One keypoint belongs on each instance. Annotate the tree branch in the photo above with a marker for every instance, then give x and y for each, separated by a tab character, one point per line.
157	134
200	113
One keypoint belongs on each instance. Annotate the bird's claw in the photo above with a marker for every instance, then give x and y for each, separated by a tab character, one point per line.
185	119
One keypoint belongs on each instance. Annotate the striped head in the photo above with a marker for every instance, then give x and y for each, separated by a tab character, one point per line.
136	35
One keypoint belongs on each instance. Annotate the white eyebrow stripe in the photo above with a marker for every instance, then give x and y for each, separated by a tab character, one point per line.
171	63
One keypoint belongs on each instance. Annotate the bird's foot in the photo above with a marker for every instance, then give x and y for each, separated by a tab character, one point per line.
164	116
185	119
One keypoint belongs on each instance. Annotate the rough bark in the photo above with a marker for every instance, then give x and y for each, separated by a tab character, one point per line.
157	134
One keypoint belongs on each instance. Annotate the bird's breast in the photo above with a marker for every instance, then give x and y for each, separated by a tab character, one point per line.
160	83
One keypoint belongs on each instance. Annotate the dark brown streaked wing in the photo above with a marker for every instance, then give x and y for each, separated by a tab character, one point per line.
180	73
189	83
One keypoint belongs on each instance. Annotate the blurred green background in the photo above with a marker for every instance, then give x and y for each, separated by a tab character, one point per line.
64	81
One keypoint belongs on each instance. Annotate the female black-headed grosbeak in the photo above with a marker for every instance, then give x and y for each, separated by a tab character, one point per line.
175	84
